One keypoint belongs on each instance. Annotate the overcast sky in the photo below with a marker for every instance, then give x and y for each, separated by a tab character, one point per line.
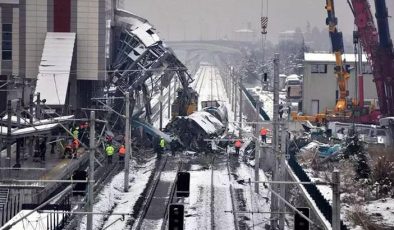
212	19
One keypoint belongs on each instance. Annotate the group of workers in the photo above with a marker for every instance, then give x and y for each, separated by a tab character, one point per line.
110	150
78	134
263	134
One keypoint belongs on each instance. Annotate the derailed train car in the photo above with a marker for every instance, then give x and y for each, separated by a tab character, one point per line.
217	109
193	131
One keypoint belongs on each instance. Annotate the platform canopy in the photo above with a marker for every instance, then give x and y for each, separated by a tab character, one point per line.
55	66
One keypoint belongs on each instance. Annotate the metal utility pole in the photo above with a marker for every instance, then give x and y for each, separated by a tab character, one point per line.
235	98
175	83
336	201
257	149
283	152
128	145
240	106
89	224
169	100
9	141
161	107
275	120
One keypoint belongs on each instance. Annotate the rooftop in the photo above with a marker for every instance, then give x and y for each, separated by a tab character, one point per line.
330	57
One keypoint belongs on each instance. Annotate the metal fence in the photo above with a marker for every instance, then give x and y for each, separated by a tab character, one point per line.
253	102
10	209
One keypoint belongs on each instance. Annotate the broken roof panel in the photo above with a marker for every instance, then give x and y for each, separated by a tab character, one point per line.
54	70
206	121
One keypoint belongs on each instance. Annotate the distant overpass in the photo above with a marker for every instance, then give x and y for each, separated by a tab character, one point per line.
222	46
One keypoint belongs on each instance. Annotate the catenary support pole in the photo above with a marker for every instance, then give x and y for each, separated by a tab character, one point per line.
169	101
161	107
283	148
128	145
91	171
240	106
9	141
274	199
258	148
336	201
235	96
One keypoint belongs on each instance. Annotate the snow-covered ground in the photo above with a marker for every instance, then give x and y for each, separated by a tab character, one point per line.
112	198
267	97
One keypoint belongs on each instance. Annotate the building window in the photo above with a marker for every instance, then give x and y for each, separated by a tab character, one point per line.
367	69
319	68
6	44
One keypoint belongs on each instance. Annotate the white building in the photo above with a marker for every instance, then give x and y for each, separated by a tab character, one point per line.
320	88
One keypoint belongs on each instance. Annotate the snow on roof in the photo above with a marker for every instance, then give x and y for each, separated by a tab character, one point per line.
14	119
146	34
293	77
54	70
3	130
34	129
206	121
330	57
26	121
53	119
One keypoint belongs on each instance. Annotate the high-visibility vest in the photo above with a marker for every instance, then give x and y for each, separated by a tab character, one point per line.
263	132
110	150
162	143
75	134
238	144
122	151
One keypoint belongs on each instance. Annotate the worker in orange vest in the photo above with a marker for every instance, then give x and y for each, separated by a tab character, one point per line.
237	146
121	152
263	133
75	145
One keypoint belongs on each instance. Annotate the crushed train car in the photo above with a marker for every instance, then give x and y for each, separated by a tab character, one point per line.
193	131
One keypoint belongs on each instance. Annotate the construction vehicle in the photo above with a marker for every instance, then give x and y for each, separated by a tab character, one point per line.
379	49
341	70
186	101
346	109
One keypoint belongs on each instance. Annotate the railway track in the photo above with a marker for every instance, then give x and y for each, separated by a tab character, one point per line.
161	193
102	177
241	220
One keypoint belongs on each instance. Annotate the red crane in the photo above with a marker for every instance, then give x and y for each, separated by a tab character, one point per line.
379	49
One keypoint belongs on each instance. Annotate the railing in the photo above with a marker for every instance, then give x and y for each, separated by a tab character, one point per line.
254	103
10	209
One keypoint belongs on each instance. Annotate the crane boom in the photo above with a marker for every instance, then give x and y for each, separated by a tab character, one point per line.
337	48
378	47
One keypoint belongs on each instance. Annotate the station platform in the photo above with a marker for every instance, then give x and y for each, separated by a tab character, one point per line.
55	167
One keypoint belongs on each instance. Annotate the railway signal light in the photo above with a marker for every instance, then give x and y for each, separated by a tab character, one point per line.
80	188
176	217
265	77
183	184
299	222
